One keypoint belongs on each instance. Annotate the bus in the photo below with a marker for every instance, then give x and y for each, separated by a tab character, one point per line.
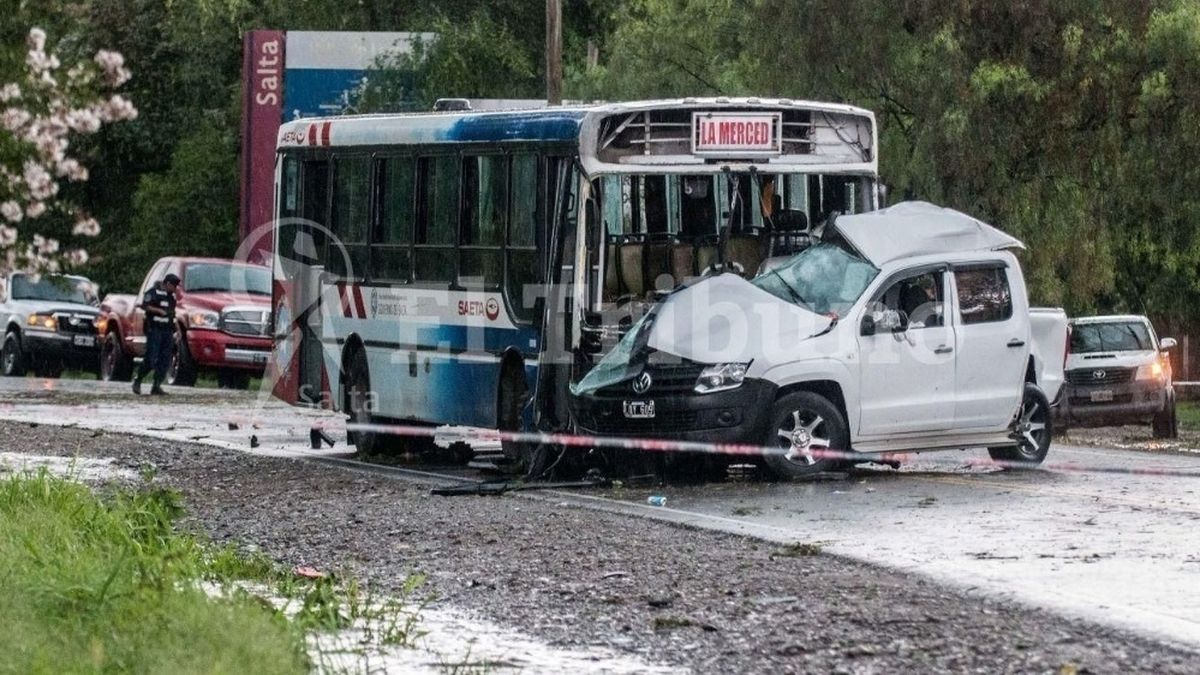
464	268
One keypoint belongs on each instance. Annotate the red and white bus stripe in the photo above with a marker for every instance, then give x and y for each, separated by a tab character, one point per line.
318	133
351	298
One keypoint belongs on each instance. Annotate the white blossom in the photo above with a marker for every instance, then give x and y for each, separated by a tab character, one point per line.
14	119
77	257
9	92
8	236
37	39
86	227
35	209
45	246
11	211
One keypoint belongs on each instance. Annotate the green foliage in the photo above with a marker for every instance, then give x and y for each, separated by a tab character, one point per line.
108	585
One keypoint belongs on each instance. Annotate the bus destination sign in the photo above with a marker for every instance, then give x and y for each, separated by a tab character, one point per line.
746	134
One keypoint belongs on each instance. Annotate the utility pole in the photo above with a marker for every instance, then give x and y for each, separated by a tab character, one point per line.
553	52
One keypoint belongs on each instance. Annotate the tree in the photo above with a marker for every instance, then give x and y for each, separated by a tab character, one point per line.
44	109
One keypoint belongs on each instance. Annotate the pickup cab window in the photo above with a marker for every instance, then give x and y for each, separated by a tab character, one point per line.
824	278
983	294
919	296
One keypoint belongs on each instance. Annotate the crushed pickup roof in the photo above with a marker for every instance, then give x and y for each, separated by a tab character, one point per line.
911	229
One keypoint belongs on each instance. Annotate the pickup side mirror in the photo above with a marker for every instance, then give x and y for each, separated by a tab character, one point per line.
868	324
1167	344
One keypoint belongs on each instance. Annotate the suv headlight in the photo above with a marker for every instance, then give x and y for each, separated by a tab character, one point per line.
204	319
42	322
1150	371
721	377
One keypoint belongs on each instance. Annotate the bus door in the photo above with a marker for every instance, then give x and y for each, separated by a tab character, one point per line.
559	325
300	247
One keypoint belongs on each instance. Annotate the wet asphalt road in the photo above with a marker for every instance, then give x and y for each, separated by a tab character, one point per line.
1122	550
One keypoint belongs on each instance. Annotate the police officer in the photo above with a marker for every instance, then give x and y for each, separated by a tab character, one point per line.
159	303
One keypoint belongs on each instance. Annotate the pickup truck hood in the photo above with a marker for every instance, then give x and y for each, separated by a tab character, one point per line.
723	319
27	307
1124	359
217	301
726	319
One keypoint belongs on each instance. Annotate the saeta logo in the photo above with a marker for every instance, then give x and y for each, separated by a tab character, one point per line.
493	309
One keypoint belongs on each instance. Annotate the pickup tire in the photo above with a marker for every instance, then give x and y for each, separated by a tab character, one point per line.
115	365
1165	424
12	356
1033	427
182	371
804	423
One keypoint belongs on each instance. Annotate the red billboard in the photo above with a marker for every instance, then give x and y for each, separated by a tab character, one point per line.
262	112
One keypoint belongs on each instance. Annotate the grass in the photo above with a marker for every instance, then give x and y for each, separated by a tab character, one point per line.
108	584
95	585
1188	413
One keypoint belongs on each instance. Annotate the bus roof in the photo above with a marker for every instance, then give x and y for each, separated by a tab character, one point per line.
578	124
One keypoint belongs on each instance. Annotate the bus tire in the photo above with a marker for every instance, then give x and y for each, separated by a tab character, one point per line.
511	397
358	403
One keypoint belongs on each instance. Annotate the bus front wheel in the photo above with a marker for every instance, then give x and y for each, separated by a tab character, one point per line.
359	403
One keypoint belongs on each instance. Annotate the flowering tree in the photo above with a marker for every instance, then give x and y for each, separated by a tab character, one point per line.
39	114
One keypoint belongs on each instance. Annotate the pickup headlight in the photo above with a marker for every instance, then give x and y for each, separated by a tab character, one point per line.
721	377
42	322
1150	371
204	319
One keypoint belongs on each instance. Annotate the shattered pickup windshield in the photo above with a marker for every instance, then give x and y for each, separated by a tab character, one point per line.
824	278
1129	336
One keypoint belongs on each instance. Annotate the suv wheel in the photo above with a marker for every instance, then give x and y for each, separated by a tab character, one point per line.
1165	424
802	425
1032	428
12	358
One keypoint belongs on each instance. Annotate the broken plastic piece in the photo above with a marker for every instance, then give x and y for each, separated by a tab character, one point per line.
254	441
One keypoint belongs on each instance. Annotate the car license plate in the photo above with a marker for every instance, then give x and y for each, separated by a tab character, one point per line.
639	410
85	340
260	358
1102	396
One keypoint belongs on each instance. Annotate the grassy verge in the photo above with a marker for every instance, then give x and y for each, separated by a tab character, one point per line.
1188	413
96	584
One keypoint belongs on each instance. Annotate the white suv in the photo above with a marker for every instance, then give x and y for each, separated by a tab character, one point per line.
1118	373
906	329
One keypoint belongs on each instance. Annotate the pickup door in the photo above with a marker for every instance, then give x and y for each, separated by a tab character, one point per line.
908	376
992	343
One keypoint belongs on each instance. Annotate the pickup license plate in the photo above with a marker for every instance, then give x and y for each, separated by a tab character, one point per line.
639	410
1102	396
85	341
260	358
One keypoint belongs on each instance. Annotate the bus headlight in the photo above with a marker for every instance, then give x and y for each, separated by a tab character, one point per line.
721	377
204	319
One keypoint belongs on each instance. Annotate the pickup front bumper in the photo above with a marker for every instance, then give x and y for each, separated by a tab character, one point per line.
78	349
1124	403
216	349
735	416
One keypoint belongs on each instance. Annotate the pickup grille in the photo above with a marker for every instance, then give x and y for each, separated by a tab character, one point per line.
1099	376
76	324
248	322
667	380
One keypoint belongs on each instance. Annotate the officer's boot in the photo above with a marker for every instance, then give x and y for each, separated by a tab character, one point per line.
137	384
157	389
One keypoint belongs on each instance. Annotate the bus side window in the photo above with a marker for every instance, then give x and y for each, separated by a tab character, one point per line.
484	203
437	219
309	244
391	258
347	258
522	249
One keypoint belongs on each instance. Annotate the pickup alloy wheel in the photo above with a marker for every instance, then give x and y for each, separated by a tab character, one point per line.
804	425
115	366
1031	429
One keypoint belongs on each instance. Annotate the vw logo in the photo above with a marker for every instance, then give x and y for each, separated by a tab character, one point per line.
642	383
1099	374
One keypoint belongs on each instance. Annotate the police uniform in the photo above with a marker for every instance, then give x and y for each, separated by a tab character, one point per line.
160	334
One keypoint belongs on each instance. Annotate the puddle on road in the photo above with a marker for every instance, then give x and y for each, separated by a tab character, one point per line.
86	469
446	641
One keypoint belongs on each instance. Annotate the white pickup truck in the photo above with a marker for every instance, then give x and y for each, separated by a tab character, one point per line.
902	329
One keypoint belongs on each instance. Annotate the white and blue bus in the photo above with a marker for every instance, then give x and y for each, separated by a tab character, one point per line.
462	268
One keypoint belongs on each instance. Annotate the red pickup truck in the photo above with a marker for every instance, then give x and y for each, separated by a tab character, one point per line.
223	315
